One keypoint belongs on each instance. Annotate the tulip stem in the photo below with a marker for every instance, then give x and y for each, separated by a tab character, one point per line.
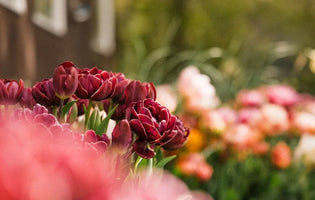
138	161
87	114
150	167
60	109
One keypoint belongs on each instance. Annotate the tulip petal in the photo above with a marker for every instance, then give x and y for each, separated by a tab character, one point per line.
143	149
152	133
102	92
145	119
137	127
81	92
121	135
3	92
135	91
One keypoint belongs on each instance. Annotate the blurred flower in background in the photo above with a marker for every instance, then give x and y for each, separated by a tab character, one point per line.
197	91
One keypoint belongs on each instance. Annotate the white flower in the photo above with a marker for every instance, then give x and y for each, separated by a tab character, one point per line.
197	90
166	97
305	150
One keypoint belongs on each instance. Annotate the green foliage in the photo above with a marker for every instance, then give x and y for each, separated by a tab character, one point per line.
156	39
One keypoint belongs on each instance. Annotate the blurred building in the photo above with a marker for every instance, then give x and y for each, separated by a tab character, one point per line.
37	35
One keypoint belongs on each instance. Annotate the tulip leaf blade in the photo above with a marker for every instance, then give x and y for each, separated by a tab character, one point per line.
159	155
164	161
72	116
92	120
67	107
97	120
87	113
102	128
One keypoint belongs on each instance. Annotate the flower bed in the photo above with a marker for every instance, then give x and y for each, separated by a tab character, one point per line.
259	146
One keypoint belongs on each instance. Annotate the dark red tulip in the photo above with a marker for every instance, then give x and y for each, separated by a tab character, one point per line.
95	84
154	125
122	136
177	137
133	92
65	80
137	90
10	91
44	93
121	86
27	99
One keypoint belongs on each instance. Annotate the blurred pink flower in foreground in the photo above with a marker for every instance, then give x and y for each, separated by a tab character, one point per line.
42	159
282	95
199	94
36	165
159	185
166	97
249	98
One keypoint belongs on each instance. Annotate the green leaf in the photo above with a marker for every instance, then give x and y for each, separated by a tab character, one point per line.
73	114
159	156
97	119
164	161
87	113
92	120
102	128
67	107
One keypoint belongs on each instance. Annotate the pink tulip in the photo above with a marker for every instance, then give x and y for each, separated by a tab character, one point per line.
250	98
281	95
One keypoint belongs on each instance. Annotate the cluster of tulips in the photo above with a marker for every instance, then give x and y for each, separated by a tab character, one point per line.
56	142
142	122
242	127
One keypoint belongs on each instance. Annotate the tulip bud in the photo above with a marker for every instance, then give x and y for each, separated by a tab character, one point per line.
121	136
44	93
10	91
65	80
136	91
27	99
95	84
121	85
